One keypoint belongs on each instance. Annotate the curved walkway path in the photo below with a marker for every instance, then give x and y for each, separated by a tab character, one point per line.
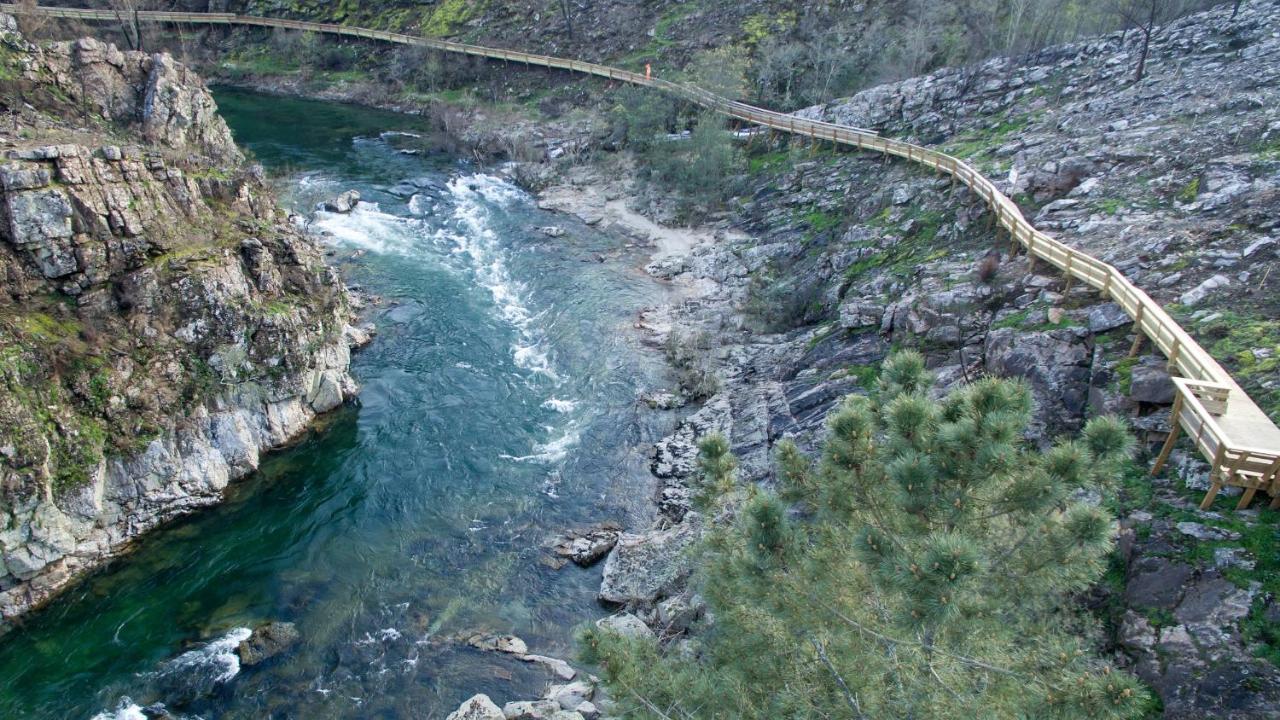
1241	443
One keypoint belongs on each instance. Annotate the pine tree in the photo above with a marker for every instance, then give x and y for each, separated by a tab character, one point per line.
922	567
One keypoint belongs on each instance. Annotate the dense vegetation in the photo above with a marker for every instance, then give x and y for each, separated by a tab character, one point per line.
828	50
922	568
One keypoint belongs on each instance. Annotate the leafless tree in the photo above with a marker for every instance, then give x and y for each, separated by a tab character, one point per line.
1146	17
568	18
30	21
1149	17
127	14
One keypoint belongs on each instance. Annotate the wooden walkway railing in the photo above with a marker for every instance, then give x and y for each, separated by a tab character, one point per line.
1241	443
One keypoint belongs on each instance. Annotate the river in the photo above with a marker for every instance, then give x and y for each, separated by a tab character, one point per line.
498	406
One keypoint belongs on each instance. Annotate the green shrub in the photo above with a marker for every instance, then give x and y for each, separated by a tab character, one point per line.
928	574
687	355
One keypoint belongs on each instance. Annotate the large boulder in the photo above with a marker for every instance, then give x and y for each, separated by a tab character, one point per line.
642	567
40	222
530	709
587	546
479	707
1056	364
178	111
1150	383
343	204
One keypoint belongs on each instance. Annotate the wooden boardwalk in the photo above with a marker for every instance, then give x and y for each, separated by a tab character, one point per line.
1240	442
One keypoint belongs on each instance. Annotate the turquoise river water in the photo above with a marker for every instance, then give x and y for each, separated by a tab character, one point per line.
498	406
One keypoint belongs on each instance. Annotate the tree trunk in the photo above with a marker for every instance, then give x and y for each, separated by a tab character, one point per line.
568	18
1142	57
137	29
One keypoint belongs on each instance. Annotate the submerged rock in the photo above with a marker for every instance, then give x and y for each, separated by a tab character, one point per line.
268	641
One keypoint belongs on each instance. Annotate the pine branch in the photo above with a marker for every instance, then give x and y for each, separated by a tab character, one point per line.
912	643
849	697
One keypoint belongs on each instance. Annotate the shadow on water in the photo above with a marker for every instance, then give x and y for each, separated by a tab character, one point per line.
498	407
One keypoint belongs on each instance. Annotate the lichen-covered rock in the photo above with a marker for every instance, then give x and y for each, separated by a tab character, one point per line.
644	566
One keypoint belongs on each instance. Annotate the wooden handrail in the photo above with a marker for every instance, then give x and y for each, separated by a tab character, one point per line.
1186	356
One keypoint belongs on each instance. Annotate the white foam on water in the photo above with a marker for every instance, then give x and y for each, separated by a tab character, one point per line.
398	133
421	204
560	406
126	710
473	236
211	664
369	228
551	451
217	661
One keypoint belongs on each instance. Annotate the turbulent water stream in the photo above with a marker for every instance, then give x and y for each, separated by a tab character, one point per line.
499	405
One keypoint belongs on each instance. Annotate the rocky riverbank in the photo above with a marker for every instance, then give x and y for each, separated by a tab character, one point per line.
830	259
164	323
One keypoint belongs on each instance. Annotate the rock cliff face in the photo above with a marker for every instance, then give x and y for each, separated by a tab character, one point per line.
162	323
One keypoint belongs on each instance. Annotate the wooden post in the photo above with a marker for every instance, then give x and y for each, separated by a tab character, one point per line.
1215	477
1272	475
1209	496
1067	287
1246	498
1174	431
1137	327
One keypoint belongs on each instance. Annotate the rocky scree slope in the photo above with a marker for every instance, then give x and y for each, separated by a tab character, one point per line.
1174	180
162	322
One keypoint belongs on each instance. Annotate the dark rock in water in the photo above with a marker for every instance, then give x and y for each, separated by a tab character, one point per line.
425	183
403	190
268	641
586	547
509	644
344	203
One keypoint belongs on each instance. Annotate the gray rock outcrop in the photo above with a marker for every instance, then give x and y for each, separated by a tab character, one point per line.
163	323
